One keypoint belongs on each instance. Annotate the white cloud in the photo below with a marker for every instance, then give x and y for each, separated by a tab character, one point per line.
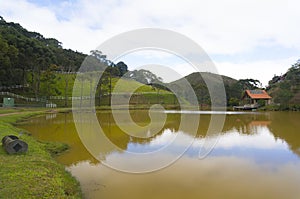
164	64
221	27
261	70
262	140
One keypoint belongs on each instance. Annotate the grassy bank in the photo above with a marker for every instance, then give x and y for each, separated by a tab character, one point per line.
34	174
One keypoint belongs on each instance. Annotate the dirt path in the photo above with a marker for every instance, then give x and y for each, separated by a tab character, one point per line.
7	114
32	111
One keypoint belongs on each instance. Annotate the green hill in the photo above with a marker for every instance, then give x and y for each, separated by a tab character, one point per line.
124	85
233	88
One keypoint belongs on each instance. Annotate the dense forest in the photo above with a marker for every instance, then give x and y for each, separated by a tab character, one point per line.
22	51
29	60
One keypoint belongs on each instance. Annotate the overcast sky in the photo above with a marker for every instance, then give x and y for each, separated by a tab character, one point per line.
244	38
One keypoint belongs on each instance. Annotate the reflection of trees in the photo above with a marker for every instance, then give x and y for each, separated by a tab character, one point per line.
245	123
121	139
283	125
286	125
242	123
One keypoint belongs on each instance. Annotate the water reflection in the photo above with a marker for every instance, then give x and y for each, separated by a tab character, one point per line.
257	156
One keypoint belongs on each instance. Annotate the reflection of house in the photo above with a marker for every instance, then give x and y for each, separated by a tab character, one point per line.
259	123
253	96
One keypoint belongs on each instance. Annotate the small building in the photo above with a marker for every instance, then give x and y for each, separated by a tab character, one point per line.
8	102
252	99
253	96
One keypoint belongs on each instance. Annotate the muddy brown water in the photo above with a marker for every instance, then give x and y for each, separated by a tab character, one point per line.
257	155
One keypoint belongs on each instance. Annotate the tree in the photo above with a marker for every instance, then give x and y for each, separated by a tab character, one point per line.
49	78
8	54
233	101
143	76
103	86
122	67
283	97
249	84
68	76
99	63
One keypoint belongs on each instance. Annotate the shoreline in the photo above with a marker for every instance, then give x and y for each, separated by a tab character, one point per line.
34	174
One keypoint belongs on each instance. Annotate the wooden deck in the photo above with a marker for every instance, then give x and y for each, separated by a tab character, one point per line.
246	107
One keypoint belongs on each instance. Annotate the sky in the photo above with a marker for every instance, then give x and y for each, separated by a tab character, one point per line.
245	39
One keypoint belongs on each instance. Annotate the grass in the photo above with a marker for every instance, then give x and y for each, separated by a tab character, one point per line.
125	86
11	110
34	174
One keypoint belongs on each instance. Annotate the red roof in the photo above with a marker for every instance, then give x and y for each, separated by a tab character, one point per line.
257	94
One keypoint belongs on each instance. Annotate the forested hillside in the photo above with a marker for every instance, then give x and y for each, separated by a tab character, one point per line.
23	52
285	89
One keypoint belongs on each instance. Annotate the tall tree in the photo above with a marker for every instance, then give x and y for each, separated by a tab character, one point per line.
122	67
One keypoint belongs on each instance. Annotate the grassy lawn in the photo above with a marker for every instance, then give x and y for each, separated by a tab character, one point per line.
34	174
9	110
125	85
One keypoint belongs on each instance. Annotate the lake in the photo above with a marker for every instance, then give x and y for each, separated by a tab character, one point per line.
254	155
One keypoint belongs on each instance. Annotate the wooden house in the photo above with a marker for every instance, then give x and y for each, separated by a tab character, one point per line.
251	99
253	96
